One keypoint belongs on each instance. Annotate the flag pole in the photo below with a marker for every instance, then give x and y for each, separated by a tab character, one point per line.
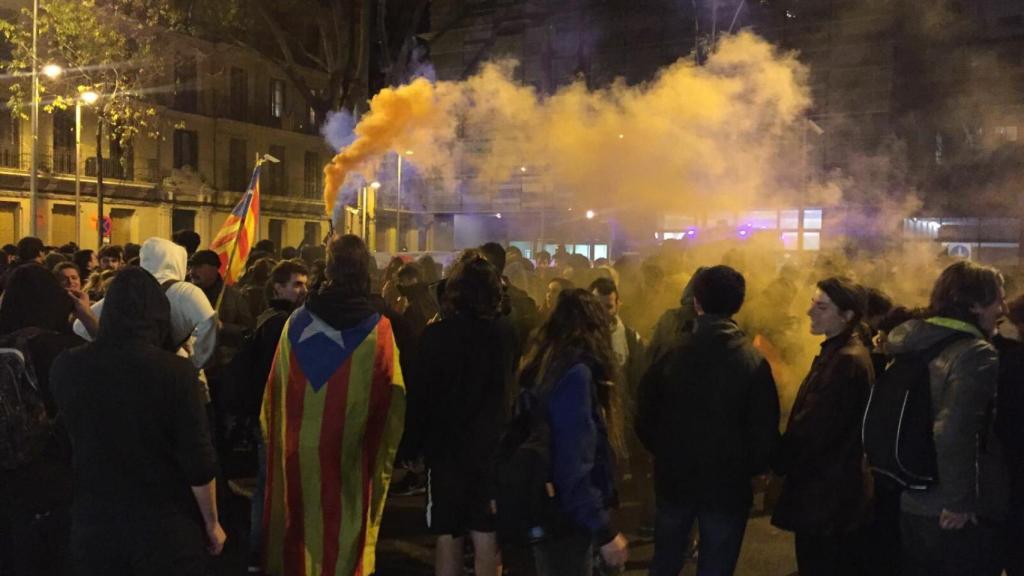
234	245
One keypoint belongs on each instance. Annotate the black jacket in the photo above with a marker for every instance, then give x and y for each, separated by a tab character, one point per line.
251	366
463	382
137	424
821	454
709	413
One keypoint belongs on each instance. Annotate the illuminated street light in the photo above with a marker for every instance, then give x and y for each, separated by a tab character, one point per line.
522	169
375	185
621	136
89	97
52	71
590	214
408	152
498	215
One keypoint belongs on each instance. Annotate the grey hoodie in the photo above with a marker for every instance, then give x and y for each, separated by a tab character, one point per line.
963	385
191	313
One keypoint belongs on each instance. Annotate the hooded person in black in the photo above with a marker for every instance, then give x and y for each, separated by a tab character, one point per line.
709	413
143	465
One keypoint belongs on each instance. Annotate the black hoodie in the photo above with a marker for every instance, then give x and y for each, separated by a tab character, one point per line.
137	424
709	413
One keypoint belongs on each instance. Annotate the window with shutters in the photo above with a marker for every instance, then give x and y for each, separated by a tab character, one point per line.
186	149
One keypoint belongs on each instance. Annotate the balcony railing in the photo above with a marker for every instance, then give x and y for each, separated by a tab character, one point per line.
112	168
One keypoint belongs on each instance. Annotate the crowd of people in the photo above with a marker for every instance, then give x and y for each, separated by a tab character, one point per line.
524	397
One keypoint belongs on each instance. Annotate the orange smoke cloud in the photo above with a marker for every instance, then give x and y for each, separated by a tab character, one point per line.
392	112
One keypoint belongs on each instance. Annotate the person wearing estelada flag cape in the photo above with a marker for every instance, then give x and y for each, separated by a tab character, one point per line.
332	418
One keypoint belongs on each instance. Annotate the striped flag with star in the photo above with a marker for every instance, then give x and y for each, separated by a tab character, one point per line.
238	234
332	417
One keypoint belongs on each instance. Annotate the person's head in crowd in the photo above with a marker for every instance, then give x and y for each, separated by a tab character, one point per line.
391	270
408	274
543	258
289	253
970	293
86	262
513	254
555	287
34	298
348	267
837	306
599	262
135	310
607	293
258	273
266	245
310	254
1015	316
111	257
68	249
496	255
30	249
431	271
254	256
204	268
53	258
68	276
289	280
131	252
187	239
11	250
473	288
898	315
47	249
877	306
719	291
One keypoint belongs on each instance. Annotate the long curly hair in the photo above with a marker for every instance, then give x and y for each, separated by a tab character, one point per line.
578	330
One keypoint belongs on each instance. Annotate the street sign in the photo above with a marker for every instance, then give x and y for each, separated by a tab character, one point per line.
959	250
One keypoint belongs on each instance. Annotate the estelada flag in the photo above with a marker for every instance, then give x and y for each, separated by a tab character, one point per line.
332	417
238	234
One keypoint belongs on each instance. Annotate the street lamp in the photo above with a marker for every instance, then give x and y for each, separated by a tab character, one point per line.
590	214
88	98
50	71
398	204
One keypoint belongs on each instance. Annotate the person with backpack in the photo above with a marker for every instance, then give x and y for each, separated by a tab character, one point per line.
709	413
825	493
463	379
949	528
143	469
568	369
35	456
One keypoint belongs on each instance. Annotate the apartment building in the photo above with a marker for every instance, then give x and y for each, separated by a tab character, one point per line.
224	105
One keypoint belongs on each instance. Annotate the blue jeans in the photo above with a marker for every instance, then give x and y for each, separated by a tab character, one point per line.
256	512
721	535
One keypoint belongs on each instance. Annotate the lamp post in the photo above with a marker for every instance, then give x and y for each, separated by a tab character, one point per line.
398	205
88	98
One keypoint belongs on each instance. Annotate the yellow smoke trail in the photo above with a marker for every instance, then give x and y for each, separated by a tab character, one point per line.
712	135
391	112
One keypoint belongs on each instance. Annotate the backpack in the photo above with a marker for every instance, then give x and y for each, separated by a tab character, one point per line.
25	427
525	495
897	429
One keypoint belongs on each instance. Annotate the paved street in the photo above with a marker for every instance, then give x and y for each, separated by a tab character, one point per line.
406	550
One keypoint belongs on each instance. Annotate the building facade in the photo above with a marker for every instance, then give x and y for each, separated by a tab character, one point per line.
228	105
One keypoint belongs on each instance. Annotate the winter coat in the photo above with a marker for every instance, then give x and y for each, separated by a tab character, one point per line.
709	413
235	322
134	413
463	378
581	456
1009	422
964	379
821	456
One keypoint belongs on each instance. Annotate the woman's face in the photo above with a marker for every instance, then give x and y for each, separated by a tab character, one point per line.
826	318
70	280
988	316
